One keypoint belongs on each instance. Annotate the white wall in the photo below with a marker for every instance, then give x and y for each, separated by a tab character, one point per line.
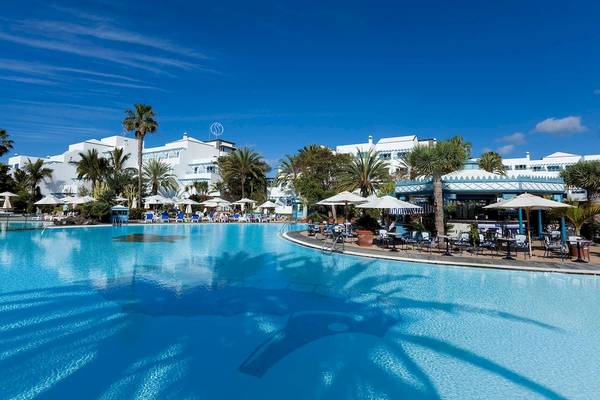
191	160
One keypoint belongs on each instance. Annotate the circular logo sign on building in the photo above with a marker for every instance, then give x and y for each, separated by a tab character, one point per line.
216	129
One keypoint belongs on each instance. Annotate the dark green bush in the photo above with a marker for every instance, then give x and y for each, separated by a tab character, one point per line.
367	222
136	214
97	211
317	217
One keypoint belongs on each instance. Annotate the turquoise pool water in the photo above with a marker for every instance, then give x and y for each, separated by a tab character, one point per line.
234	312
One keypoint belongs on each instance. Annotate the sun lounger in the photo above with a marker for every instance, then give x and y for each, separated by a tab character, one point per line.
148	217
180	217
164	217
195	218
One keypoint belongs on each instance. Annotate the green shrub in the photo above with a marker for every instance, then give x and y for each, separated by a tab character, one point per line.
415	224
368	223
317	217
97	211
474	235
136	213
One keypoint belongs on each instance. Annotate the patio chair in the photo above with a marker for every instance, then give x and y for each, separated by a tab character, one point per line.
463	242
195	218
487	242
585	250
522	245
328	231
180	217
313	229
553	247
410	239
348	232
425	241
148	217
164	217
383	238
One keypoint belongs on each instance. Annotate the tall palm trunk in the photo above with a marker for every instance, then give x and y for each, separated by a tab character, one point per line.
140	145
243	178
438	199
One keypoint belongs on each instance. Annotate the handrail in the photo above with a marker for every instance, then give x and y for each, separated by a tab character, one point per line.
286	226
13	222
337	241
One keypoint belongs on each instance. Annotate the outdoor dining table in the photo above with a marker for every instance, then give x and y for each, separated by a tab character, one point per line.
447	240
580	249
394	236
508	241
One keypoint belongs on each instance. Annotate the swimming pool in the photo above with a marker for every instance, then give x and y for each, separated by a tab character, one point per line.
218	311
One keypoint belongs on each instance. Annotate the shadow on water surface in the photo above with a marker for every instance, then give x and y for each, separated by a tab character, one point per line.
147	238
63	340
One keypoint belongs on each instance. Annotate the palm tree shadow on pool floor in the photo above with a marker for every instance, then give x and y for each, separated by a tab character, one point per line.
62	340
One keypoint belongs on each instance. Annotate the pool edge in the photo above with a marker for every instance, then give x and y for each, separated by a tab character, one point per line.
286	236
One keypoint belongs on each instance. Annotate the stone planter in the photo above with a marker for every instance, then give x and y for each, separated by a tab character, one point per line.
365	238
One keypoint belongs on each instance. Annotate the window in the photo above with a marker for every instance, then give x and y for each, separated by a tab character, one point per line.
195	170
554	168
385	156
538	168
520	167
210	168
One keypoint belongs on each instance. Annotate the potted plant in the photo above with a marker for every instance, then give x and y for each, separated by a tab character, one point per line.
365	229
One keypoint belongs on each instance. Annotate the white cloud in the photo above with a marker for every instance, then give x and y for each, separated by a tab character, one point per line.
121	84
107	32
52	71
514	138
80	14
570	124
506	149
85	50
23	79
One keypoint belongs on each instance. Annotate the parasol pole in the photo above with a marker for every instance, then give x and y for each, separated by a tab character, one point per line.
528	230
346	210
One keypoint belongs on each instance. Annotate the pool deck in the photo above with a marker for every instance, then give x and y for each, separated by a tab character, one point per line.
568	267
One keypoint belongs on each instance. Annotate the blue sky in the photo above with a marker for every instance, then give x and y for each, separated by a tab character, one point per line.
510	76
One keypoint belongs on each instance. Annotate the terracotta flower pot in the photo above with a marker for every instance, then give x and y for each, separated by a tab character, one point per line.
365	238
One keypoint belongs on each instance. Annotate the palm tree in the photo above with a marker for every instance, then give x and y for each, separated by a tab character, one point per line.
159	175
436	161
21	180
92	166
244	165
218	186
141	121
491	161
117	159
584	175
578	215
288	173
36	173
201	187
365	172
5	143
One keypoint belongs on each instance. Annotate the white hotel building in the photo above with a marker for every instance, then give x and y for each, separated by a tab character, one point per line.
192	160
522	174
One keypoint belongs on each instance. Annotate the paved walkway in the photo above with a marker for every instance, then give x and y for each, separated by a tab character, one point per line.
567	266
